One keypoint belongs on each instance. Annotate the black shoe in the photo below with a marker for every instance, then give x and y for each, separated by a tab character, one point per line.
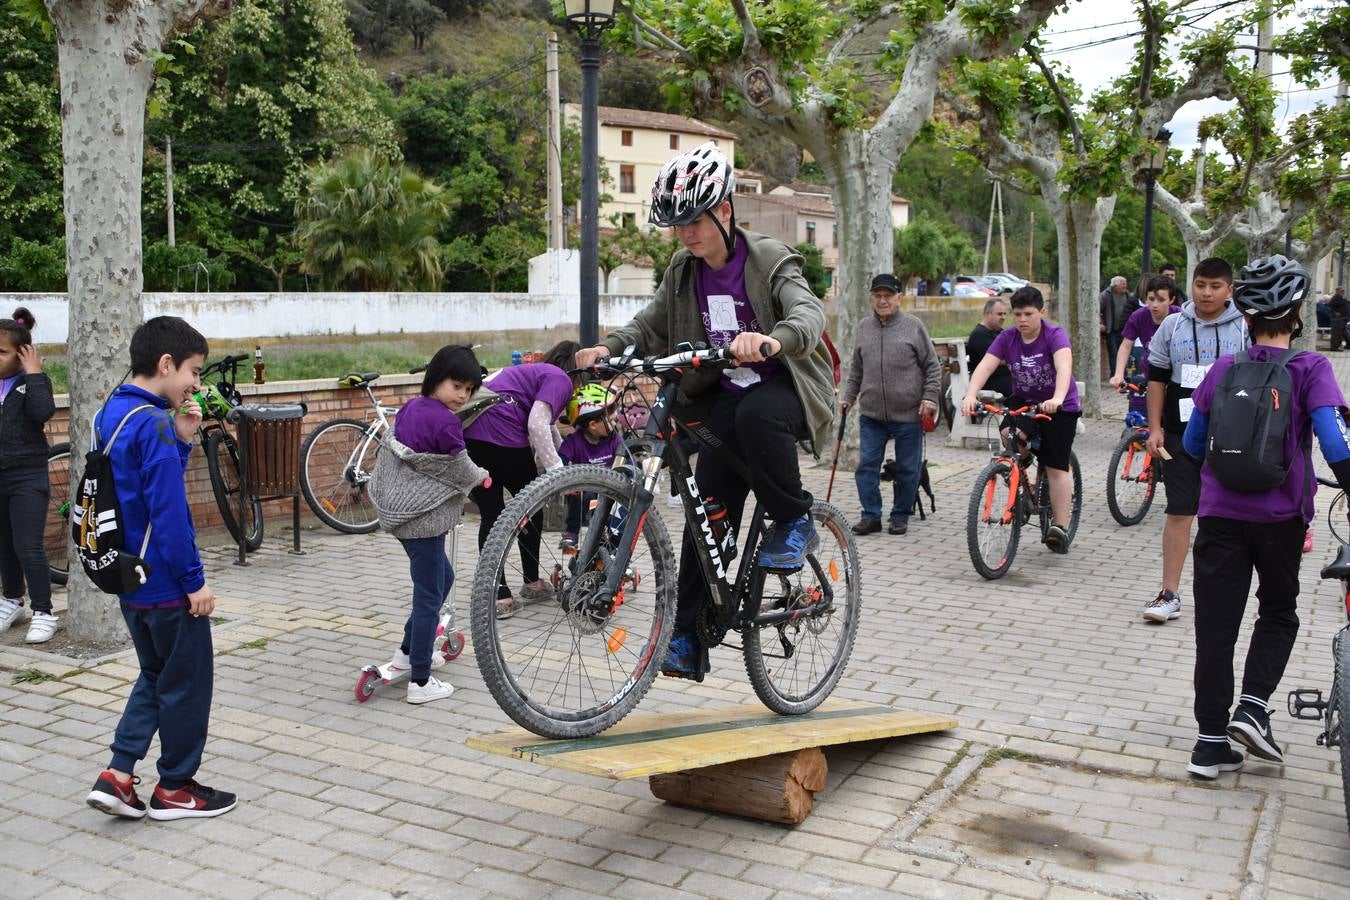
1251	729
1057	539
867	526
191	801
1209	758
897	526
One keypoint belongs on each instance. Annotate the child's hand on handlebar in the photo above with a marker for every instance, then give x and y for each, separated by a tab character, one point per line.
969	405
747	347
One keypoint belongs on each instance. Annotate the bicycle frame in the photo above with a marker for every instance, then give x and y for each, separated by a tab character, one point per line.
1020	483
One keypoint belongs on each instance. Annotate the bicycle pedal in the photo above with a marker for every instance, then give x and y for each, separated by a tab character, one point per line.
1306	703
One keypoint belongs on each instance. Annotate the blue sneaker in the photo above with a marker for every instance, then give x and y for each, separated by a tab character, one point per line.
684	658
787	547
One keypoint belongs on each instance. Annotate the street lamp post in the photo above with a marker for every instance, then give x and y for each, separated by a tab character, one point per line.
589	18
1157	160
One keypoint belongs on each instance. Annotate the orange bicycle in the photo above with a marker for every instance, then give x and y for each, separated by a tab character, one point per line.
1132	476
1009	491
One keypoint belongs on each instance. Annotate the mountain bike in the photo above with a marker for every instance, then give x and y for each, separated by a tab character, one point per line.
1132	476
56	531
338	459
1008	492
575	664
222	450
1307	703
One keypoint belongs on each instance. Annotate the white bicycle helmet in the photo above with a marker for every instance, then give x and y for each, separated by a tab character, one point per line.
691	184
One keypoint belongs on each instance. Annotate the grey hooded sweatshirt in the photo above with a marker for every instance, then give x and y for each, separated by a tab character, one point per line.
1185	339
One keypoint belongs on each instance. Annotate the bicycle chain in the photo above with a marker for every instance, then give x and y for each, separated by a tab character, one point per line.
710	631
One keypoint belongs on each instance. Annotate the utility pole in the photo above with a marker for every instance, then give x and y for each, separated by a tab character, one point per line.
1031	247
989	229
168	183
556	234
1002	237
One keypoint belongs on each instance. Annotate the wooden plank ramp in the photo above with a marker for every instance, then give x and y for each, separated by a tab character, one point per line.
708	747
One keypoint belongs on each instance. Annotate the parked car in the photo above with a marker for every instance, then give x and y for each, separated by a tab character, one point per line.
966	289
997	285
958	279
1007	278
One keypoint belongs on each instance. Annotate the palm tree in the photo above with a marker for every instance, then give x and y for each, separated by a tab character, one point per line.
370	225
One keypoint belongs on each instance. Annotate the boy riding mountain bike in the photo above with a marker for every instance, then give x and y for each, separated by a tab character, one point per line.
735	289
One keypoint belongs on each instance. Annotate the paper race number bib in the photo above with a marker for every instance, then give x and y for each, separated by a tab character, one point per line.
1185	406
722	313
742	377
1192	375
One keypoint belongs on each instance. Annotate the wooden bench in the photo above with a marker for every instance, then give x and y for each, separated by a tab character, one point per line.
743	760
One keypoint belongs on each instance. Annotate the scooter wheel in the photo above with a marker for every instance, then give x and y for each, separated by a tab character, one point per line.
365	686
454	646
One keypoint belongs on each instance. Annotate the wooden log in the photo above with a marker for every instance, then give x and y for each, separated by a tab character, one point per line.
777	788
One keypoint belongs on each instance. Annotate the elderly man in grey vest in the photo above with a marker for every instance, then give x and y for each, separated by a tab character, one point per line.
894	379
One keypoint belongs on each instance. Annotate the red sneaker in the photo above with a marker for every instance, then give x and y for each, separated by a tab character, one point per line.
191	801
116	798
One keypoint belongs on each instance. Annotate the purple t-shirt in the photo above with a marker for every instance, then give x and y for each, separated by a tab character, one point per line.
1314	386
427	425
507	423
1141	328
1032	365
7	383
576	449
726	311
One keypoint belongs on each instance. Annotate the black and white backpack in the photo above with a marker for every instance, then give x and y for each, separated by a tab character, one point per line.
1248	422
96	521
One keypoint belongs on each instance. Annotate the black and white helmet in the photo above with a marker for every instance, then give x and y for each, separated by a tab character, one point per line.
691	184
1270	287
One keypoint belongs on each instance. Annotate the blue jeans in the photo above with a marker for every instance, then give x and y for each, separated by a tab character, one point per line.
873	436
432	578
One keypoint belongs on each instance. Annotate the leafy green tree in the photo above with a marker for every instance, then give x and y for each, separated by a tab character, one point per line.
370	225
503	250
420	18
813	269
928	250
185	267
33	266
650	248
375	23
30	136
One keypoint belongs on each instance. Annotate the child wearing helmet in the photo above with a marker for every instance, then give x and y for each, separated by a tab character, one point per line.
593	441
1247	527
732	288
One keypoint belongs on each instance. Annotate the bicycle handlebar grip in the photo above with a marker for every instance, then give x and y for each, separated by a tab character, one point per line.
766	350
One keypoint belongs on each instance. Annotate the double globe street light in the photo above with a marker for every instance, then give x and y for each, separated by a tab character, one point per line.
1157	161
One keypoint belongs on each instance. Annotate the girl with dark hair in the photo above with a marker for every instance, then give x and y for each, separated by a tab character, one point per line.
514	440
25	406
421	476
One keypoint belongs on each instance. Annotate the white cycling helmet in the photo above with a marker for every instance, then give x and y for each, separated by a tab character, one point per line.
691	184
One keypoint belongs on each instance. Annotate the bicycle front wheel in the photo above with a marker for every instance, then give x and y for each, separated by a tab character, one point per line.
1131	480
336	465
572	659
1336	520
794	664
1338	726
993	521
56	531
222	465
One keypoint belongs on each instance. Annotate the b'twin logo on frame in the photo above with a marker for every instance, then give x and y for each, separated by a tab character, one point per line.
709	539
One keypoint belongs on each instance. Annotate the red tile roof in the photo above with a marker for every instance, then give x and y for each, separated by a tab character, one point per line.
641	118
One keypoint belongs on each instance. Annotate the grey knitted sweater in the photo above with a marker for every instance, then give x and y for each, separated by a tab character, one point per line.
894	368
420	495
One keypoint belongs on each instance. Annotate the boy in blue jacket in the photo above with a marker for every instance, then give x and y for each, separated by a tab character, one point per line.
169	615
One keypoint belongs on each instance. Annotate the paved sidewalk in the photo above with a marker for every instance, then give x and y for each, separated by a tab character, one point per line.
1065	778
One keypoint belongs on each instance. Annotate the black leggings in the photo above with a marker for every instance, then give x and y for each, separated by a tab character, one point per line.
23	517
511	469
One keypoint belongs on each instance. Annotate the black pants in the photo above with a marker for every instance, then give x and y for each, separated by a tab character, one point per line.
761	426
1338	325
1227	551
24	494
511	469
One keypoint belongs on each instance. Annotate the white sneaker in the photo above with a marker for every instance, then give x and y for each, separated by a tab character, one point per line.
506	607
41	628
12	612
402	662
432	690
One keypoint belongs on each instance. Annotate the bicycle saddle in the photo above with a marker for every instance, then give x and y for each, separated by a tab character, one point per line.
1340	568
356	379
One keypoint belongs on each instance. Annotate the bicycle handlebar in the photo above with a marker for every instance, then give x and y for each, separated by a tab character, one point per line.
1031	409
718	357
228	362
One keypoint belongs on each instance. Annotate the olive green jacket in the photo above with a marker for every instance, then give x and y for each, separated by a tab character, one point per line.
784	306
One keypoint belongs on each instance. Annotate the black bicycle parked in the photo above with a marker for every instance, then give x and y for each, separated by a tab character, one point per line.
574	665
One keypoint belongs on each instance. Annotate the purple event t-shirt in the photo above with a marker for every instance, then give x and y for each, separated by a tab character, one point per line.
576	449
1314	386
6	384
426	425
507	423
1033	365
1141	328
723	292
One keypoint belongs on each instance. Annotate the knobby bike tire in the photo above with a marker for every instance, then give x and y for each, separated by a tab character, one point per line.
1336	520
56	531
340	498
1114	502
222	465
1340	709
1075	501
997	472
506	649
772	670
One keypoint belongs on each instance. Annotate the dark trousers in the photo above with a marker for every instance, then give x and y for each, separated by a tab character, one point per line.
1226	553
171	696
578	511
24	494
1338	326
432	578
511	469
873	437
761	426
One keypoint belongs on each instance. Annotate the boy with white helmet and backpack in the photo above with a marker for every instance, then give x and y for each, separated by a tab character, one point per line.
1255	414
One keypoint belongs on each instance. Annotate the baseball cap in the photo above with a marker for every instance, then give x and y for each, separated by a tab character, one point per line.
886	282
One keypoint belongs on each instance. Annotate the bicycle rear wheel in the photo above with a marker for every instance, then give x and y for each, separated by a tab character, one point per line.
1338	712
222	465
572	664
1336	520
1131	480
795	664
1075	502
336	464
993	523
56	531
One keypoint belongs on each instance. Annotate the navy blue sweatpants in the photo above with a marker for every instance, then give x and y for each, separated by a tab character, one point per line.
171	696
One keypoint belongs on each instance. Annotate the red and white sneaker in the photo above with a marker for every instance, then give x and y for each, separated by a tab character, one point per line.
116	798
191	801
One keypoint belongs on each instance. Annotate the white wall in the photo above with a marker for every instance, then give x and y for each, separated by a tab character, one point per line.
229	315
